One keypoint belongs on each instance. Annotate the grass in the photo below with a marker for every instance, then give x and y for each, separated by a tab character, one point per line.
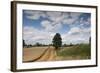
83	51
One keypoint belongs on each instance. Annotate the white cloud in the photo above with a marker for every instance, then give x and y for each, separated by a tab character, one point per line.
54	16
34	15
77	35
58	19
71	18
51	26
85	22
52	23
75	30
32	35
68	21
55	19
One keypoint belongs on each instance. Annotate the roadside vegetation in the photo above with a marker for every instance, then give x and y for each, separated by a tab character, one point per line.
81	51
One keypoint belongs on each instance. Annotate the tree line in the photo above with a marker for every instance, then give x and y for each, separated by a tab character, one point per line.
35	45
56	42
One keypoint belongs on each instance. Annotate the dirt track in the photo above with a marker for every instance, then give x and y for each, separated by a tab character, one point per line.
43	54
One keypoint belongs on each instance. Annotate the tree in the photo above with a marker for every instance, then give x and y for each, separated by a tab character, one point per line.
65	45
90	40
38	44
71	44
24	43
57	41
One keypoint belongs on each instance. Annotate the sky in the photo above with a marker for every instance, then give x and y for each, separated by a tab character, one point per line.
41	26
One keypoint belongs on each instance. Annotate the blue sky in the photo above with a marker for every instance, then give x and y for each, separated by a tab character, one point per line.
41	26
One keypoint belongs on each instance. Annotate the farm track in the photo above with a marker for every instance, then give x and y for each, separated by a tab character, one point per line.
48	54
39	54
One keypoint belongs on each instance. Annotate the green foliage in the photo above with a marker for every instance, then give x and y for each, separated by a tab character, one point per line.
82	50
90	40
38	44
57	41
24	43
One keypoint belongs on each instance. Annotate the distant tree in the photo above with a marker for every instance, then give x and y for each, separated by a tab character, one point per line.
50	45
71	44
38	44
24	43
65	45
57	41
30	45
90	40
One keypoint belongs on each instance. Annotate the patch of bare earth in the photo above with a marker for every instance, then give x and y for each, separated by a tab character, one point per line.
39	54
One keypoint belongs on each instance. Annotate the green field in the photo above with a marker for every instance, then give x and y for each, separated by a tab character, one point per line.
81	51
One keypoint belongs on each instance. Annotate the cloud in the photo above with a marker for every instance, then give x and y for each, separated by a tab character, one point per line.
32	35
34	15
71	18
85	22
51	26
54	16
57	19
77	35
52	22
74	30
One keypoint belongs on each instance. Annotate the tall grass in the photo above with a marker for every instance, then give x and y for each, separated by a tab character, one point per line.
81	50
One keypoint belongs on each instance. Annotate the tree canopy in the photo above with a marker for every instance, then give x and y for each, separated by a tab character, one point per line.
57	41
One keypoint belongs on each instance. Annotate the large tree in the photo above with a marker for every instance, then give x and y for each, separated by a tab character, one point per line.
57	41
